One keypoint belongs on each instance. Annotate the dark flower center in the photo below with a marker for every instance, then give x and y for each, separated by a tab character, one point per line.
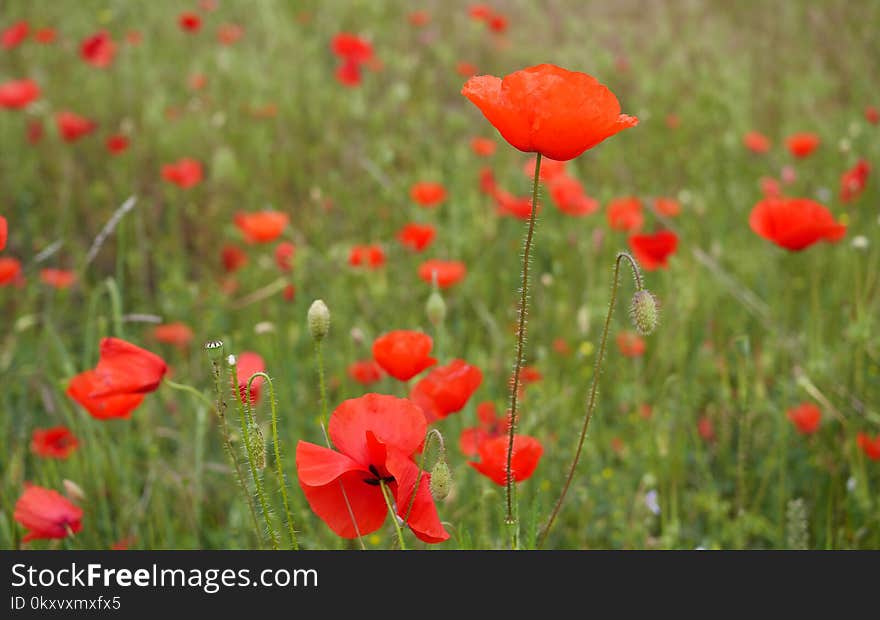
378	478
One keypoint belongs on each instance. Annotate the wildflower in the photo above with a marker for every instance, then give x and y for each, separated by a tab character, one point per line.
446	389
806	418
261	226
46	514
54	443
653	250
527	453
403	354
794	223
447	273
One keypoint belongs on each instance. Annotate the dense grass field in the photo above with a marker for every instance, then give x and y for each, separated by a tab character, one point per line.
693	442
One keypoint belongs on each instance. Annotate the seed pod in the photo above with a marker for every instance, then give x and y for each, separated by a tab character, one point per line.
319	320
644	312
435	308
214	349
441	479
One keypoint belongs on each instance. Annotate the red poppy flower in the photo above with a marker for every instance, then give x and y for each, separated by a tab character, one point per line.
351	47
806	418
706	429
374	436
480	12
98	50
45	36
58	278
446	389
197	81
229	34
466	69
4	232
185	172
561	346
178	334
802	144
497	23
46	514
10	270
667	206
189	22
489	425
487	181
289	292
72	127
85	384
348	73
261	226
419	19
18	94
284	252
483	147
53	443
124	368
630	344
756	142
551	169
369	256
853	181
527	453
546	109
871	447
507	204
428	194
233	257
117	143
447	272
133	37
208	5
417	237
248	364
794	223
872	115
770	187
403	354
653	250
365	372
625	214
14	35
569	197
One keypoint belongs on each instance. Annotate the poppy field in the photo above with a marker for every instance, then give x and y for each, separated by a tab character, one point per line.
439	275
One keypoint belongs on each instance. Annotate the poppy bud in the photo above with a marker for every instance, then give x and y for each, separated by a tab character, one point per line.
644	312
435	308
73	491
214	349
441	479
319	320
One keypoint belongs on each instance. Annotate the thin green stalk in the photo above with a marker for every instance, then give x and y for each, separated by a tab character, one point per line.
510	488
431	433
594	388
189	390
116	307
385	492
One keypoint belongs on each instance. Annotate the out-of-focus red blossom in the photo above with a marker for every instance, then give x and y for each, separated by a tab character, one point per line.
403	354
483	147
375	437
871	447
35	130
561	346
189	22
45	36
351	47
10	270
802	144
208	5
117	143
466	69
507	204
261	226
46	514
419	19
14	35
53	443
653	250
133	37
667	206
673	121
284	253
497	23
229	34
365	372
84	384
233	257
428	193
853	181
625	214
770	187
123	544
446	389
527	453
645	411
72	127
756	142
98	50
417	237
249	363
348	73
185	172
569	197
551	169
4	232
806	418
18	94
369	256
289	292
197	81
548	110
489	426
788	175
447	272
487	181
872	115
706	429
177	334
58	278
794	223
630	344
529	375
480	12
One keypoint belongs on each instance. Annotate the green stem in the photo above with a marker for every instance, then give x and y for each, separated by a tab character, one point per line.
510	489
116	307
385	492
189	390
412	500
594	388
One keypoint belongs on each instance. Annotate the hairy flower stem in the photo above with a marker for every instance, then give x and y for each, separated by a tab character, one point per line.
385	494
594	388
279	472
510	490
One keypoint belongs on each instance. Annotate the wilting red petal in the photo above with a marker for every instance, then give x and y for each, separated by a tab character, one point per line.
527	453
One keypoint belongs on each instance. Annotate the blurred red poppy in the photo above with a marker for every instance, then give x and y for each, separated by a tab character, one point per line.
14	35
625	214
189	22
507	204
667	206
630	344
653	250
18	94
351	47
497	23
480	12
10	270
403	354
427	193
365	372
133	37
872	115
4	232
184	173
489	425
417	237
83	385
249	363
756	142
348	73
570	198
34	130
446	389
369	256
45	36
72	127
229	34
853	181
871	447
483	147
806	418
289	292
117	143
46	514
98	50
794	223
197	81
466	69
284	253
447	272
706	429
802	144
527	453
53	443
419	19
261	226
375	437
177	334
233	257
549	110
58	278
487	181
551	169
125	368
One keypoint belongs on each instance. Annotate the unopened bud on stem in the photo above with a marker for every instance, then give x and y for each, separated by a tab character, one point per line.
644	312
319	320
